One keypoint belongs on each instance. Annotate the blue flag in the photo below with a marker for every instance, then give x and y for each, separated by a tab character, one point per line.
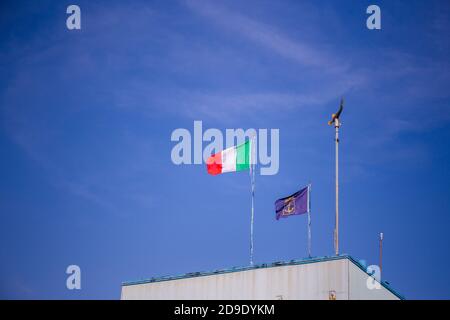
298	203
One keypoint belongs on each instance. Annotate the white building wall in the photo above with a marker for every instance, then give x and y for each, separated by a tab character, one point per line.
310	281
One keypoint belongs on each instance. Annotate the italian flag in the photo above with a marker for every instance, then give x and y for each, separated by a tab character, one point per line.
233	159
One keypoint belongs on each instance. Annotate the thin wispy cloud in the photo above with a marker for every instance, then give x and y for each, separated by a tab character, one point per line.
226	106
267	36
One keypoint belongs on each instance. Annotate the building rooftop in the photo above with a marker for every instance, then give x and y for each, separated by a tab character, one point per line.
259	266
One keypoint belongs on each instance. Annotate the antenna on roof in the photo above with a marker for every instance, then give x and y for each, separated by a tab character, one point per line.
381	252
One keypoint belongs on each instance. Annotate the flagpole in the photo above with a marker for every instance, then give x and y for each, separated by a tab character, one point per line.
337	124
309	220
252	218
252	181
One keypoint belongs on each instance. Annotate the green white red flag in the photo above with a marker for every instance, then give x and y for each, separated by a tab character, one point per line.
233	159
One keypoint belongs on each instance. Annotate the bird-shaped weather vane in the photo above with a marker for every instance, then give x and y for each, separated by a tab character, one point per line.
336	115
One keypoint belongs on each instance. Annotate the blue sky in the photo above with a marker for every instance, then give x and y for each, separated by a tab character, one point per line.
86	118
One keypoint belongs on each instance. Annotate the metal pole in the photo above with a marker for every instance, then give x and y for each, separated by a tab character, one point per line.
381	252
337	124
251	227
309	220
252	180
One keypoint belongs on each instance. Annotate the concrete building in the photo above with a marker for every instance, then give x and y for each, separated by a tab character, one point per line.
339	277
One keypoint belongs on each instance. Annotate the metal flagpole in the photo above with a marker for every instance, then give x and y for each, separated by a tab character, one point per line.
252	180
337	125
309	220
381	252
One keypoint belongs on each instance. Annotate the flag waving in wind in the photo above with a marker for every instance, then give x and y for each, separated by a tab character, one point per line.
295	204
237	158
233	159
